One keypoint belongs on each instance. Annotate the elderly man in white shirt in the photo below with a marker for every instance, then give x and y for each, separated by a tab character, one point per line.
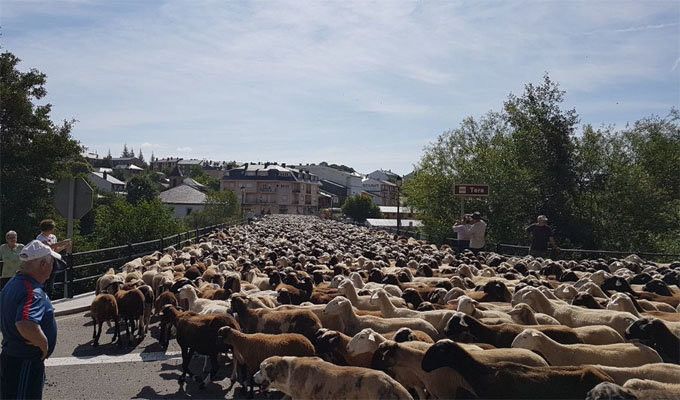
477	233
462	229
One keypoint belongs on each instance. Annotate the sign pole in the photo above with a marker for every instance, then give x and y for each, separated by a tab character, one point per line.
71	201
462	208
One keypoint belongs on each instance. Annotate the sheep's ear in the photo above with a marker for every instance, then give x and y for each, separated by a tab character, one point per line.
535	334
618	283
371	337
462	322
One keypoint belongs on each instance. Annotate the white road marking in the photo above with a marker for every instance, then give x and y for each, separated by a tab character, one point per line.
106	359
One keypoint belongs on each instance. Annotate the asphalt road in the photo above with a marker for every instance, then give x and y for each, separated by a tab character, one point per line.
77	370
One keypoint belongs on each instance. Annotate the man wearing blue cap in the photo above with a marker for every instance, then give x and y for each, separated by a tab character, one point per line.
29	330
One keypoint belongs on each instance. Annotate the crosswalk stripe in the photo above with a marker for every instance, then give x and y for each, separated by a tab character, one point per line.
106	359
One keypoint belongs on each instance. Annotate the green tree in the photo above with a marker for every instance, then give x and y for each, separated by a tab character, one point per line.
32	149
141	188
140	155
126	152
122	222
360	207
196	173
220	206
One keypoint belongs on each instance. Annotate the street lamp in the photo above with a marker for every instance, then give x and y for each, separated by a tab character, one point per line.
398	182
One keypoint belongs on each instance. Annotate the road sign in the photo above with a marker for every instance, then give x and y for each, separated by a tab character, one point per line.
467	190
81	198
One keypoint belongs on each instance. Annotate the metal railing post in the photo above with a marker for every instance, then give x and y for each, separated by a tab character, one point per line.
71	274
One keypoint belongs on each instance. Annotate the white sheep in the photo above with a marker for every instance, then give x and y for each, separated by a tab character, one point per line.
351	323
617	354
660	372
573	316
438	318
202	306
348	290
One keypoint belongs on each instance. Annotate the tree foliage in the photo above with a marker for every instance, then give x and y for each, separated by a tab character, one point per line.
141	188
32	149
121	222
220	207
200	176
604	188
360	207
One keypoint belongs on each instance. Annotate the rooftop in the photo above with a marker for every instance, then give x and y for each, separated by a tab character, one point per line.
389	223
109	178
183	194
393	209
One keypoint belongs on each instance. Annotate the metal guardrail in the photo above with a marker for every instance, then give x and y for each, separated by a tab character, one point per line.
83	268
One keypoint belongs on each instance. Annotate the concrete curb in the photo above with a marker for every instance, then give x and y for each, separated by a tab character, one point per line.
74	305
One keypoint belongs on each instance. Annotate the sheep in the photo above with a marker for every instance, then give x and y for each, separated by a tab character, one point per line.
409	335
660	372
106	280
301	321
250	349
572	315
437	318
358	283
313	378
607	391
523	314
348	290
164	298
352	323
195	334
642	385
104	308
465	328
468	306
130	308
504	380
616	355
202	306
332	346
655	333
403	364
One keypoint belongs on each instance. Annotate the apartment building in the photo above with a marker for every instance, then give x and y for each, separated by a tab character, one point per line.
351	181
273	189
383	193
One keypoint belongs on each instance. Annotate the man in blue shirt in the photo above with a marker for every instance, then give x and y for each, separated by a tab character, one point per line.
29	330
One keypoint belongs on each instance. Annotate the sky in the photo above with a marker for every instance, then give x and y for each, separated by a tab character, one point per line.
366	84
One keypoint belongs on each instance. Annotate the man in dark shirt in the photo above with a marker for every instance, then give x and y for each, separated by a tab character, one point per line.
541	235
29	330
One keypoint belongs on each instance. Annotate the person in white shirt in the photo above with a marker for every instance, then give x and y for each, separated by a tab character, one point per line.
47	237
477	233
462	229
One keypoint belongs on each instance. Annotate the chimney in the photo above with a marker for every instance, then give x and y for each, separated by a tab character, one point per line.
104	174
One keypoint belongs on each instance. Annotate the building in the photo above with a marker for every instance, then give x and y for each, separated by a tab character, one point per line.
272	188
184	200
383	193
128	169
106	182
164	164
351	181
339	192
384	175
187	165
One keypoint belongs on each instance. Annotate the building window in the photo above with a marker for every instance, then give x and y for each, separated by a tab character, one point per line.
189	210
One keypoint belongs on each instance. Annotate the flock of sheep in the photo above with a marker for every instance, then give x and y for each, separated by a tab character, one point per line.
319	309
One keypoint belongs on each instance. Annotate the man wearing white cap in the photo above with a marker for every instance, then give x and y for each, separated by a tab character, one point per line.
541	235
29	330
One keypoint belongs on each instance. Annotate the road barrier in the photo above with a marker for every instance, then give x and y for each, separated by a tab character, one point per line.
82	269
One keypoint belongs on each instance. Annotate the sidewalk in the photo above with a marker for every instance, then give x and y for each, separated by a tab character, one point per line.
79	303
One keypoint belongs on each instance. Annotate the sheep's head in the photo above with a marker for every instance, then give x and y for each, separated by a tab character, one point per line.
466	305
366	341
565	291
225	334
271	369
528	339
383	358
438	295
442	354
336	306
404	335
458	328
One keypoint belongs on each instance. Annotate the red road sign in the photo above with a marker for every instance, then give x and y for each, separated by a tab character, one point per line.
469	190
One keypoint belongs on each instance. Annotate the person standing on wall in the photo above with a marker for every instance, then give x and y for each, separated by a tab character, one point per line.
541	235
477	233
462	229
29	330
